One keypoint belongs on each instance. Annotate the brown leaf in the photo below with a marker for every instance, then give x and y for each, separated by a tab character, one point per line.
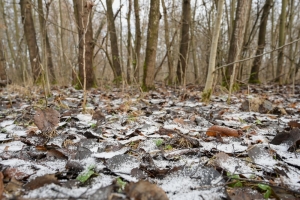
223	131
41	181
294	124
1	185
57	154
179	121
46	119
14	187
16	173
145	190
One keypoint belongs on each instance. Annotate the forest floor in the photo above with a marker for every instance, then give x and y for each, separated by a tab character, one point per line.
164	144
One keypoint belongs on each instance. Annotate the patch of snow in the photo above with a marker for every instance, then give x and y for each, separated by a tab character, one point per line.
6	123
132	139
227	148
110	154
11	146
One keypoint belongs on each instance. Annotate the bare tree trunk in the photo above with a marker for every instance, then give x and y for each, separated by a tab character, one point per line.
237	35
292	57
152	39
82	9
138	38
195	62
213	53
129	75
3	76
30	35
184	44
114	43
280	71
254	76
168	44
47	54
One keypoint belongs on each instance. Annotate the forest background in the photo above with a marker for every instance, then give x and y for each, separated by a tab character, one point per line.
102	42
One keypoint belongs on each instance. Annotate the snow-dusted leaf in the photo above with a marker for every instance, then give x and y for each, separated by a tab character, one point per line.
46	119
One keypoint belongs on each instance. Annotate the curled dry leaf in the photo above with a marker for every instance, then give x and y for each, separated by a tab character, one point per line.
46	119
145	190
41	181
223	131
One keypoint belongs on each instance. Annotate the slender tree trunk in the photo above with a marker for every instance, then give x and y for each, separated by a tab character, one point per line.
184	44
30	35
129	75
152	39
47	54
254	76
114	43
64	69
82	9
168	44
138	38
213	52
195	61
280	71
237	35
3	76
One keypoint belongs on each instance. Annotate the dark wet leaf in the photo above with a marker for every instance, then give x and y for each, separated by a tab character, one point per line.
74	166
291	139
244	194
82	153
122	163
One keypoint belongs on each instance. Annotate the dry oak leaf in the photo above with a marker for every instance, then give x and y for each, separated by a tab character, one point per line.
46	119
222	131
41	181
144	190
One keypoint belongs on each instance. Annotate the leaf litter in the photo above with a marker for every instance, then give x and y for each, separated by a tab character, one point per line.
164	144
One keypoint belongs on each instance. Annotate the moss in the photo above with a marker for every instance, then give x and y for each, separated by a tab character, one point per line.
206	95
117	80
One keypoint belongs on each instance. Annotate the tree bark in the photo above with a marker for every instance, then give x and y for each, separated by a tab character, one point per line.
236	41
82	10
184	44
168	44
152	39
3	76
254	76
138	38
129	75
193	46
279	72
30	36
47	53
114	43
213	52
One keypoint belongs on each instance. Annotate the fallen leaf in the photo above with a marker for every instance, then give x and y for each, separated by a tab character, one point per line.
41	181
144	190
294	124
46	119
223	131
